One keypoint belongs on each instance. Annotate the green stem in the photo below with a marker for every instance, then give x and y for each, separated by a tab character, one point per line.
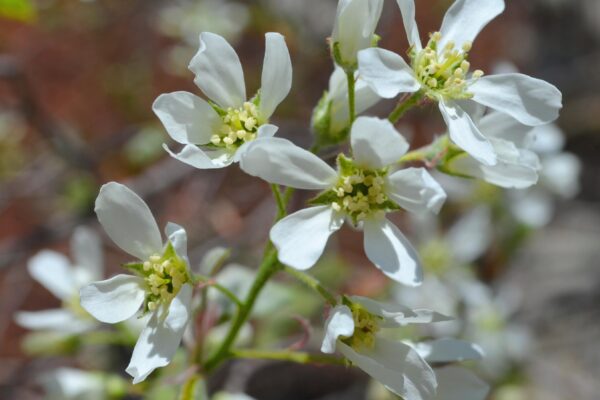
281	203
267	268
351	95
415	155
294	356
404	106
312	283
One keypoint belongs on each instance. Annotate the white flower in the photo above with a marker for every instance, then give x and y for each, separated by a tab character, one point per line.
362	191
440	71
517	166
162	285
352	330
332	116
214	133
64	279
354	28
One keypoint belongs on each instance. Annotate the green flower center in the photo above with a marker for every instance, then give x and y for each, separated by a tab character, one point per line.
366	326
443	72
164	276
240	125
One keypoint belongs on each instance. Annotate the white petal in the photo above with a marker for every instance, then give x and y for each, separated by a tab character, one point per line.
86	249
53	270
160	339
455	383
301	237
218	71
276	79
502	126
187	118
466	18
375	142
73	384
58	320
279	161
407	8
265	131
339	323
448	350
547	139
560	174
128	221
115	299
533	208
397	366
396	315
178	238
415	190
202	159
471	236
529	100
354	26
465	134
386	73
391	252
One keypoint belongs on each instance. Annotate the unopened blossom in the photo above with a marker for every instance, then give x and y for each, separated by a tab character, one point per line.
362	190
353	329
354	29
440	72
518	167
63	278
331	117
76	384
214	132
160	288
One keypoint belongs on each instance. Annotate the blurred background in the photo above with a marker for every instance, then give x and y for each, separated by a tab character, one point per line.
77	81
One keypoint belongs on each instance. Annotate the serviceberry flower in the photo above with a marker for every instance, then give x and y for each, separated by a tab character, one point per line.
63	279
214	132
354	29
353	329
440	72
362	191
76	384
161	286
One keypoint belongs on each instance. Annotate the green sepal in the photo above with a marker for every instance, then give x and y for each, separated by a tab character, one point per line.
217	108
256	99
170	251
135	267
345	165
375	40
321	117
324	198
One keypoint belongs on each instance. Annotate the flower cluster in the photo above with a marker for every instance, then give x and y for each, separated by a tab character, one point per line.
491	121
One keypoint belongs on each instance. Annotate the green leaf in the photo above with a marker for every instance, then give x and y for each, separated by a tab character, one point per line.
20	10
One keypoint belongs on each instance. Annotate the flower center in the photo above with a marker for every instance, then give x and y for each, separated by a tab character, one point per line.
239	126
366	326
164	277
443	72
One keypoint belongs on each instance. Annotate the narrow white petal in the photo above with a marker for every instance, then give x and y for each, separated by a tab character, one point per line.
398	366
178	238
529	100
218	71
465	134
560	174
386	73
448	350
115	299
503	126
455	383
546	139
534	208
415	190
86	249
339	323
280	161
187	118
391	252
202	159
53	270
354	26
160	339
466	18
396	315
407	8
276	79
471	235
58	320
128	221
375	142
302	236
